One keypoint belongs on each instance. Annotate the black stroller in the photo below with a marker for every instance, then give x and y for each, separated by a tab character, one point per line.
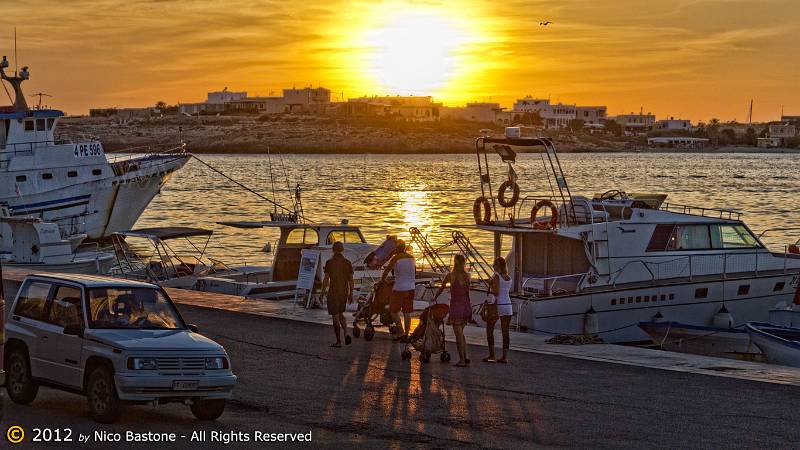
418	337
375	308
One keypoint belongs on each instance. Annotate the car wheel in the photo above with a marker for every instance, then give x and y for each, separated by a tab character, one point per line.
20	386
104	405
208	409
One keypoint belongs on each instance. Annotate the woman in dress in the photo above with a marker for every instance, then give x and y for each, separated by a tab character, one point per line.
502	310
460	306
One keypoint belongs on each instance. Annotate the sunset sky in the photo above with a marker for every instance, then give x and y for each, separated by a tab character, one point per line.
694	59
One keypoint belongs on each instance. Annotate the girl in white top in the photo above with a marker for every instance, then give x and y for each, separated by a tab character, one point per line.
402	297
501	310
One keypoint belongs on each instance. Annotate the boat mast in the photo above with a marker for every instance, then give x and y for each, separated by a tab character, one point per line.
20	105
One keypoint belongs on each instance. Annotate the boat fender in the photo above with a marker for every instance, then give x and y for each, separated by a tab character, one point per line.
482	211
723	318
552	224
796	299
591	325
501	194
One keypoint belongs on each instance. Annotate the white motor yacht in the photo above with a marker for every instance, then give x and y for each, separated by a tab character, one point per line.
602	265
70	182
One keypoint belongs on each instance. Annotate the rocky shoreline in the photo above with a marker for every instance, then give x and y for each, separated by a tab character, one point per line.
315	135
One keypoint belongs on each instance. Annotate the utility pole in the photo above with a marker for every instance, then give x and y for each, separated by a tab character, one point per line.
750	113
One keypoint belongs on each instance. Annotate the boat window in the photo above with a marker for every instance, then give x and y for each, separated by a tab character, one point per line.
305	236
779	286
701	293
47	176
32	300
743	289
29	125
72	174
21	178
732	236
345	237
660	238
65	308
690	237
40	125
97	172
50	123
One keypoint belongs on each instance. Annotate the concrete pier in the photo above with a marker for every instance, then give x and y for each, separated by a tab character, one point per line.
548	396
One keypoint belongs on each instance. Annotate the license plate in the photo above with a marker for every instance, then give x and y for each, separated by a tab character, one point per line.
184	385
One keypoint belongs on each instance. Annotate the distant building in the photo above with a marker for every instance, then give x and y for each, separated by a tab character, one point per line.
591	115
472	112
258	105
677	142
201	108
410	107
785	118
556	115
307	100
673	124
224	96
777	135
635	123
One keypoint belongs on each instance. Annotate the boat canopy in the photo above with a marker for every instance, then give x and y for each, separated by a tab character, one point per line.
166	233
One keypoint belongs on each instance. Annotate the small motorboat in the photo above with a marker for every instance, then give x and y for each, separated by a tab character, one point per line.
32	244
780	345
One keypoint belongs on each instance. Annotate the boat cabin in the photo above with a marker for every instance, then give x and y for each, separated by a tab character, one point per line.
295	237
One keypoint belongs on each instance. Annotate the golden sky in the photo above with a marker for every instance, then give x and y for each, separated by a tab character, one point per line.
695	59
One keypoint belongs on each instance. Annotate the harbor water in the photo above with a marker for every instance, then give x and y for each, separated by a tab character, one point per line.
387	194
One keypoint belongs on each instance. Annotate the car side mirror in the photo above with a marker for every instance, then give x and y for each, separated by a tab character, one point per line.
74	330
193	328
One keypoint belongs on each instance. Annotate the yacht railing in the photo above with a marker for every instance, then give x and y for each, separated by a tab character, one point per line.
722	213
706	264
554	285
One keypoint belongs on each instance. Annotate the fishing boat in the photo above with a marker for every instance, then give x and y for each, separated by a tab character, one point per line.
69	181
605	264
780	345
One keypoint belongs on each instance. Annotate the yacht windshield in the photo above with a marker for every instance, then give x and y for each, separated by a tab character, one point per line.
135	308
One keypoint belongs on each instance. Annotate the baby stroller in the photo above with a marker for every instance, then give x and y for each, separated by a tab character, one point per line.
375	308
428	338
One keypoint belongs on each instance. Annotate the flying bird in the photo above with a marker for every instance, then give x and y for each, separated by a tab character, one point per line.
544	24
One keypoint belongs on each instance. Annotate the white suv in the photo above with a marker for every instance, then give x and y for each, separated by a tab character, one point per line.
115	341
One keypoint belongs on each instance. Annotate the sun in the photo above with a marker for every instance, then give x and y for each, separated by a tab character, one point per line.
414	52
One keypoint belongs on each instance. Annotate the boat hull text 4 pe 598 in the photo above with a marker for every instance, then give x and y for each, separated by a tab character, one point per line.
602	265
70	182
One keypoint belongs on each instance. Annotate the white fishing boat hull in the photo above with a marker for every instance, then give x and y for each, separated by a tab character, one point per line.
95	207
780	345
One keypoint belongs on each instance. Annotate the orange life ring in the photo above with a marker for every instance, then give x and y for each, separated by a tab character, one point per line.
501	194
482	211
552	224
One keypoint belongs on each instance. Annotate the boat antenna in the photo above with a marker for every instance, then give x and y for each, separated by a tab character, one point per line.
271	178
16	59
40	95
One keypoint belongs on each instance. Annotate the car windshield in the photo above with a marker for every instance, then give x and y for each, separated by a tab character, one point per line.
134	308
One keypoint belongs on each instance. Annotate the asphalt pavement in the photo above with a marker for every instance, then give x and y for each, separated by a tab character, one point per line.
365	395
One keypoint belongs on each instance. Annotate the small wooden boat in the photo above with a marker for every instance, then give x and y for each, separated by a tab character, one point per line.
780	345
